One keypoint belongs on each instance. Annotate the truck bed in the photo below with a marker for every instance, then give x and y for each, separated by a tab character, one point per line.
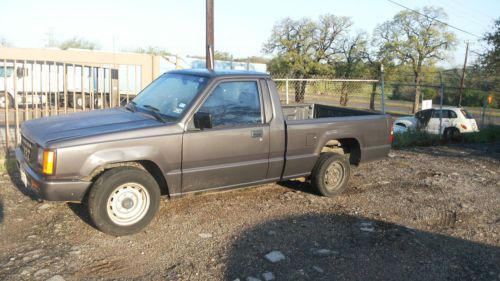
315	111
365	134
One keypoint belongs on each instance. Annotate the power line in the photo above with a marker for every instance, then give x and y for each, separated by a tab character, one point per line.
447	24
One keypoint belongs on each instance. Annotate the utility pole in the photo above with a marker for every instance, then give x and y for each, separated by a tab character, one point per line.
462	79
382	101
210	35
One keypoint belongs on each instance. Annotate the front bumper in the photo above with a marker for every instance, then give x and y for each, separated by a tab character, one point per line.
55	190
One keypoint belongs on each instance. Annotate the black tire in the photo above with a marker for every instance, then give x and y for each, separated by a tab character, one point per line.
319	179
452	134
114	183
456	136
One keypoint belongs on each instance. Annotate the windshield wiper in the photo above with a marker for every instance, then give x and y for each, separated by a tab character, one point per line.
155	112
131	106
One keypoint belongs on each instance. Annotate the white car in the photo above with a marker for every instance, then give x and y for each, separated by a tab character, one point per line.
455	121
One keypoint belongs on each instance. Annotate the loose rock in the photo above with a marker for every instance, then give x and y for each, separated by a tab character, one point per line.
275	256
268	276
205	235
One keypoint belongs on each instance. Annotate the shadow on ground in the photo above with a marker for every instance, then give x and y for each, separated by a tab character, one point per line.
297	185
14	174
342	247
81	211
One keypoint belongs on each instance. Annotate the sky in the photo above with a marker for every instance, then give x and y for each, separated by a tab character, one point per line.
241	27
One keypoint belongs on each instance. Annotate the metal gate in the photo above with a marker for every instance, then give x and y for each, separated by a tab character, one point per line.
38	83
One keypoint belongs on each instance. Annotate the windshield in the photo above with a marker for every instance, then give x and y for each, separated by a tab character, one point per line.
169	95
8	72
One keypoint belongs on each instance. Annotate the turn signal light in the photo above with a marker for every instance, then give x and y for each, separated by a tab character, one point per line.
49	161
463	126
391	136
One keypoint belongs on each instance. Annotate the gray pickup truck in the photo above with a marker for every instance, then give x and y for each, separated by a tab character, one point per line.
191	131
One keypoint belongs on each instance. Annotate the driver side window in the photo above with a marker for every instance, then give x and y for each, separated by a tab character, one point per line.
234	104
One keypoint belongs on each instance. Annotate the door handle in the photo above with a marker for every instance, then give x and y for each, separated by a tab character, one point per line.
257	133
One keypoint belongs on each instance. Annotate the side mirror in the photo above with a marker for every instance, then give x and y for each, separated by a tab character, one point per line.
202	120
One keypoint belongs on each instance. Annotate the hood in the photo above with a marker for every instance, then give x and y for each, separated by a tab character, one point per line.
84	124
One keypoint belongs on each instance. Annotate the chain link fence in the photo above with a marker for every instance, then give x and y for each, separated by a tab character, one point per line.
482	103
399	96
353	93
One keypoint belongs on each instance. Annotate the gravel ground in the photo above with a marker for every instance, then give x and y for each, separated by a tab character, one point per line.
421	214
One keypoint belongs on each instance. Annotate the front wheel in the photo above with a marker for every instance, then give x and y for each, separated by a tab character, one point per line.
331	174
123	201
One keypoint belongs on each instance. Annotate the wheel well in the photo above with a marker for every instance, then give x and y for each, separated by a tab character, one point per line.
147	165
345	146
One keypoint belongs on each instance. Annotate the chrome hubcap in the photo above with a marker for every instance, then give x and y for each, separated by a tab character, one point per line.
128	204
334	176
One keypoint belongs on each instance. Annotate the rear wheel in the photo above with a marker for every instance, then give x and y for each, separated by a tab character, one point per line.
123	200
331	174
452	134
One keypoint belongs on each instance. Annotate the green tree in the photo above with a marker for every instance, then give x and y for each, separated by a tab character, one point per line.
305	47
78	43
224	56
415	38
152	50
491	58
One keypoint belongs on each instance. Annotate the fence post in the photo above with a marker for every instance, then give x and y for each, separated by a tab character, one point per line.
484	103
382	101
441	94
286	89
6	96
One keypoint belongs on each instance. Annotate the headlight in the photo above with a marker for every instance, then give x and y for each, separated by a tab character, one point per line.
39	157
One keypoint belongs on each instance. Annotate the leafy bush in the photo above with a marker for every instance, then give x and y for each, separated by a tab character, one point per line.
486	135
414	138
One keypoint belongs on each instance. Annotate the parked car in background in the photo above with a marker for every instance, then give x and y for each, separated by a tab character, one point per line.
455	122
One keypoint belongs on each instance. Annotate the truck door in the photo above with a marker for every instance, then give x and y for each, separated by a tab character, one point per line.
235	151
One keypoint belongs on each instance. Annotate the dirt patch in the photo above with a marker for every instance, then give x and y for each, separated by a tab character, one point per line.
421	214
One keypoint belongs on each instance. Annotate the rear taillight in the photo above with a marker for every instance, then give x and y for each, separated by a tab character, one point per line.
391	136
463	126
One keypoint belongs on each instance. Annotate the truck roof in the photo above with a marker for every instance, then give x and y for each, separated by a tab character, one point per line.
219	73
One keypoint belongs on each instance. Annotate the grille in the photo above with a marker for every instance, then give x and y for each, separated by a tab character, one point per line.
26	148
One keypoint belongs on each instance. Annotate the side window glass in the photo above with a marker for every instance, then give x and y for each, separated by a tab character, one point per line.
234	104
452	114
436	113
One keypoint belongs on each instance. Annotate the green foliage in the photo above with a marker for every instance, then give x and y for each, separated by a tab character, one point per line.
225	56
491	58
490	134
485	135
415	39
306	47
78	43
415	138
152	50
